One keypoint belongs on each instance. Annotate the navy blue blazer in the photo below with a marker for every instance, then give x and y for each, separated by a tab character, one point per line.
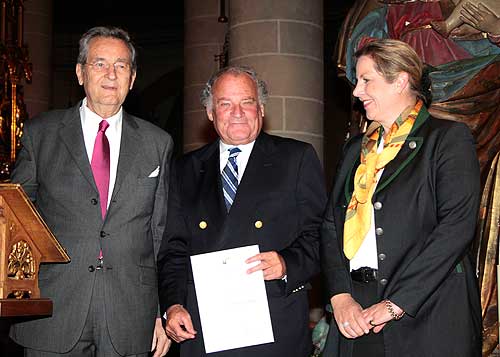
283	188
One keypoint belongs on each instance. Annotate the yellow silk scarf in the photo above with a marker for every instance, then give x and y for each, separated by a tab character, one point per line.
359	212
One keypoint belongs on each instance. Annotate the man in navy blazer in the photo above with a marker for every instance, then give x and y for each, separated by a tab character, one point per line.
106	298
278	205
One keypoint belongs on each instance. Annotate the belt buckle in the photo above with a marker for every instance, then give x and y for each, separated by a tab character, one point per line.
367	274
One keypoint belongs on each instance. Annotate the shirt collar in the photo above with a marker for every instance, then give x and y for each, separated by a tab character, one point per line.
89	118
223	147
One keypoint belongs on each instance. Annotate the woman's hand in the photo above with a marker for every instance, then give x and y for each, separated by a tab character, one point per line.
348	315
377	315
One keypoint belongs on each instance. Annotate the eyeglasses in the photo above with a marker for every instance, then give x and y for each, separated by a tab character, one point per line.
103	66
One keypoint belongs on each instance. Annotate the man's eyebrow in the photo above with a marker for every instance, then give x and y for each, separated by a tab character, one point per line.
98	58
228	99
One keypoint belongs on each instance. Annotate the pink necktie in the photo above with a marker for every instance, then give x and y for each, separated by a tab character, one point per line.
100	165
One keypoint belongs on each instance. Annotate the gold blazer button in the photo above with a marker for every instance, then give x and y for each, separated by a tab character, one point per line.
203	225
258	224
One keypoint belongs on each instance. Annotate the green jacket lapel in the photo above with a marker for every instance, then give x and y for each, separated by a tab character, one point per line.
411	147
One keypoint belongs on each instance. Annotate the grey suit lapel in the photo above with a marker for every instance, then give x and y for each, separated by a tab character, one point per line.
130	142
71	134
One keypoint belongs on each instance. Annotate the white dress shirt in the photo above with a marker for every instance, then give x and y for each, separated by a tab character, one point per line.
366	256
241	159
90	126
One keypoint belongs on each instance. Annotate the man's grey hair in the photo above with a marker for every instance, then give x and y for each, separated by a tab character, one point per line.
110	32
206	96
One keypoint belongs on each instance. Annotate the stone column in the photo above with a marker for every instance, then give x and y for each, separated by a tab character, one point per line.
283	41
38	37
203	40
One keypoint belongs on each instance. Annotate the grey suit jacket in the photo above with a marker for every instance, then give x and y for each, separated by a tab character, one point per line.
54	170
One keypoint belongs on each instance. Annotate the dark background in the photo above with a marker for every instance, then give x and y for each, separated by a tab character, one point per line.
157	30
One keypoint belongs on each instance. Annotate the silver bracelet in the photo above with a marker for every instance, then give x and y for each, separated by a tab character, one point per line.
388	305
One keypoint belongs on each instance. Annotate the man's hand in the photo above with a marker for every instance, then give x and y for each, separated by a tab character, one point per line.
179	325
348	315
161	343
271	263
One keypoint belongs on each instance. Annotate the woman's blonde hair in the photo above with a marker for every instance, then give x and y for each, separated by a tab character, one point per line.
392	57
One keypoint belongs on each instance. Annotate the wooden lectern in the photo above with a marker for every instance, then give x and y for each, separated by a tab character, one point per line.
25	242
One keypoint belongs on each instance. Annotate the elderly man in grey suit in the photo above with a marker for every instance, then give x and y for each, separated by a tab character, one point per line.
98	177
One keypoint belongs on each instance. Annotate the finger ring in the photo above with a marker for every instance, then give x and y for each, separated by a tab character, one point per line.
345	324
372	323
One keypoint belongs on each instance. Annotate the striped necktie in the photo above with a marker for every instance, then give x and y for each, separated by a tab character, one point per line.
230	177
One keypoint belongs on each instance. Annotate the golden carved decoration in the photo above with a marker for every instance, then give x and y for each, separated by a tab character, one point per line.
15	67
21	263
19	294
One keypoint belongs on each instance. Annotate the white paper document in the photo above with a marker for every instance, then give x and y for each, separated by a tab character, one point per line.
233	304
